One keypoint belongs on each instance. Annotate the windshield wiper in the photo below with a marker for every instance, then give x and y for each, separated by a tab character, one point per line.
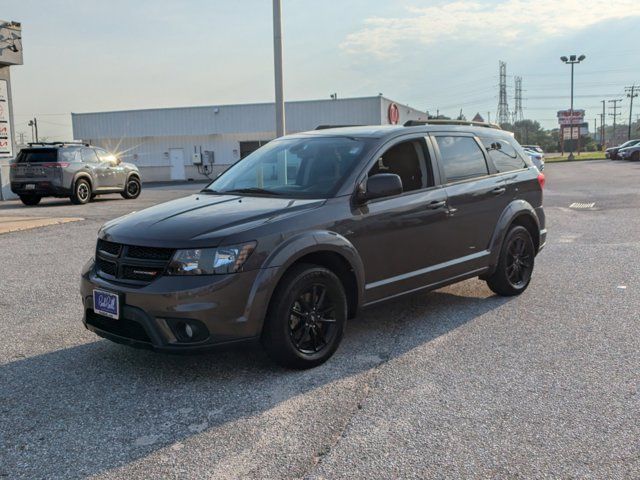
257	190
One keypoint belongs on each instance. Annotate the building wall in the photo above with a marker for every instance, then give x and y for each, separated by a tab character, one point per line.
5	184
145	137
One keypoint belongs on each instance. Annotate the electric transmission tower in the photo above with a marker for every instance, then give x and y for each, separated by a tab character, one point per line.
503	106
518	116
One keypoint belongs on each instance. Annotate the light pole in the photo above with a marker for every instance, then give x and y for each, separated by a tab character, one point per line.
277	66
572	60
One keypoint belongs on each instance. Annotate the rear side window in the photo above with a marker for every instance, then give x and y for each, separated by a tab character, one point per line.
461	158
40	155
89	155
503	154
407	160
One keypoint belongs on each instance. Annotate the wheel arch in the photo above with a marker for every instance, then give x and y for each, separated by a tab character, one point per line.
518	212
323	248
84	176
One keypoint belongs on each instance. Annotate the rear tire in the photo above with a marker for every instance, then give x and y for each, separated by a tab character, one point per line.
515	265
30	200
81	192
306	317
132	189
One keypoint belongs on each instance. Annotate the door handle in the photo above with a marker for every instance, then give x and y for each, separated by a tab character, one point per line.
498	190
437	204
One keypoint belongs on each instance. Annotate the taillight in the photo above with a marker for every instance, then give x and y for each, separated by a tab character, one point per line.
56	164
541	179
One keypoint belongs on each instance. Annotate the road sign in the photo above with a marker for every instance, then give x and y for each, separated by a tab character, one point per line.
566	118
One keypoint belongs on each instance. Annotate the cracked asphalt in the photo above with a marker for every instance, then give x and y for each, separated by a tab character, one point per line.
448	384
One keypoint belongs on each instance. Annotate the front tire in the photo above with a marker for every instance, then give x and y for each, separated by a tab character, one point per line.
635	156
81	192
306	318
132	189
30	200
515	265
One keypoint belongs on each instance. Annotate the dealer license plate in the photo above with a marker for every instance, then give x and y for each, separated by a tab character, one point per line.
106	303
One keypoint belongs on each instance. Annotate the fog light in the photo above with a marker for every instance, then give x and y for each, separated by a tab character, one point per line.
188	330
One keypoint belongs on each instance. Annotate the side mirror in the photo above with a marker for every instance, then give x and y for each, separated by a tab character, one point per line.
381	185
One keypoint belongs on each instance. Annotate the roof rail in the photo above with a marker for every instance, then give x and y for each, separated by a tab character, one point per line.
58	143
325	127
415	123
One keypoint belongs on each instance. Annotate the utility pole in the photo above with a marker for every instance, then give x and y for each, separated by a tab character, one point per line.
34	128
595	128
631	93
602	129
603	117
277	65
614	115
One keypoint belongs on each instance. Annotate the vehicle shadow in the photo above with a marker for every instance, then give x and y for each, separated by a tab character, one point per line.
99	406
55	202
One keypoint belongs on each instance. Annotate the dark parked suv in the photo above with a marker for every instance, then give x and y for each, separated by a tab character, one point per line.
294	239
77	171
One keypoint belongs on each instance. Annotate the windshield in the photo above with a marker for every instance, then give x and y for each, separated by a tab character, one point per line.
296	167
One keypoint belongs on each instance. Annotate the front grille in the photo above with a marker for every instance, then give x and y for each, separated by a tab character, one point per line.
121	327
105	266
131	263
109	247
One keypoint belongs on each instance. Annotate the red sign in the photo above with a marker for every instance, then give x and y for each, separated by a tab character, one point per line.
393	114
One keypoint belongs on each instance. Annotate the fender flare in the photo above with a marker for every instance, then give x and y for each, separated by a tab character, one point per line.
80	175
289	252
516	209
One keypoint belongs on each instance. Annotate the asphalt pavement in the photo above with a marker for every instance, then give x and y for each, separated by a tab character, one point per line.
456	383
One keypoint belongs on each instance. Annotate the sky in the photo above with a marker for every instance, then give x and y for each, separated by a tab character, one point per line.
83	56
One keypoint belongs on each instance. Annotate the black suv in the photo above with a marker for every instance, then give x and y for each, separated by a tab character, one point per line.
294	239
73	170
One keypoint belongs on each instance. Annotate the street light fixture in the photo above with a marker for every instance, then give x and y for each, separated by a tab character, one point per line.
572	60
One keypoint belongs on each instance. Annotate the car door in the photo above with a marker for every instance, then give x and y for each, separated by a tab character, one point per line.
476	196
399	237
113	174
92	165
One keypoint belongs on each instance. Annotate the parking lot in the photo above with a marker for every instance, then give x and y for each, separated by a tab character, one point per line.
449	384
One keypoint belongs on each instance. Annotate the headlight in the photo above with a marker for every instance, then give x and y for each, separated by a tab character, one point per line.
210	261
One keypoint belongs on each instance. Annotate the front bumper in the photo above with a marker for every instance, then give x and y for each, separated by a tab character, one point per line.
223	309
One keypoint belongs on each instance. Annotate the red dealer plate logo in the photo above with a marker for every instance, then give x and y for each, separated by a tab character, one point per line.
394	114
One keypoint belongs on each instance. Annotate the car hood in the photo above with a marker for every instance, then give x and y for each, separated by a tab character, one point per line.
201	220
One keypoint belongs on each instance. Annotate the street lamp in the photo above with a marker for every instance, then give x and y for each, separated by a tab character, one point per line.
572	60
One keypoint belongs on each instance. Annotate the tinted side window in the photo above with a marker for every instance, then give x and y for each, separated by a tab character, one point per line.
407	160
461	158
89	155
503	155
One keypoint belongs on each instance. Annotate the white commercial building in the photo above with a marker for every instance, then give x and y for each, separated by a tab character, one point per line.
168	143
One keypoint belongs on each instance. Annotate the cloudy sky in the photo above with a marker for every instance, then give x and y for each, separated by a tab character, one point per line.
434	55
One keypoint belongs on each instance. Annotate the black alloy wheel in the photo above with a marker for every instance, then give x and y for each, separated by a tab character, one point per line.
515	264
132	189
306	317
82	192
312	320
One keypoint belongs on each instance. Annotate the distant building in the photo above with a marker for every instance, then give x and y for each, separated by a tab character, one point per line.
163	141
478	118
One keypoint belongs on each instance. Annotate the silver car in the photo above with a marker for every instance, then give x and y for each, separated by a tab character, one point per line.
74	170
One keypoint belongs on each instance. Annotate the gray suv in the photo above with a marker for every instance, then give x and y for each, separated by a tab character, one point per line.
74	170
294	239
